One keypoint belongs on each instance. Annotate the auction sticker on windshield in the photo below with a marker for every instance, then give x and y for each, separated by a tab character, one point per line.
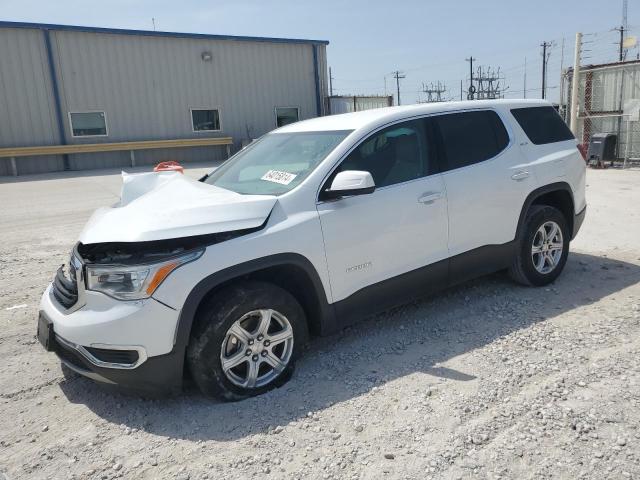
276	176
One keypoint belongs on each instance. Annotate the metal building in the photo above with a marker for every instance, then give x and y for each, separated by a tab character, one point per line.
355	103
63	85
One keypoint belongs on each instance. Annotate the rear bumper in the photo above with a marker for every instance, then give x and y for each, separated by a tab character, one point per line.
577	222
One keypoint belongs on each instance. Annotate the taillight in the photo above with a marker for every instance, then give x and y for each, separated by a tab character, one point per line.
583	151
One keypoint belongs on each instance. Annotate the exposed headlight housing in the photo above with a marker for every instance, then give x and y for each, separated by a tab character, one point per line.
134	282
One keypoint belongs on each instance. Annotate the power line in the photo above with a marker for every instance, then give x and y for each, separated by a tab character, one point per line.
538	89
601	51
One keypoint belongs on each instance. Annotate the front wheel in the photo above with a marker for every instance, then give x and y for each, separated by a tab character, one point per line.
246	340
543	247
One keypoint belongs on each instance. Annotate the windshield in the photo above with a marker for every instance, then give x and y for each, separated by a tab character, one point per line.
275	163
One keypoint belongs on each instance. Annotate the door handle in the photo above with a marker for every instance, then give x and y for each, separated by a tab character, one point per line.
430	197
521	175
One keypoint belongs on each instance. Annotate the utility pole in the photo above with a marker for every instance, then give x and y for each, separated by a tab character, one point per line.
622	56
545	58
561	108
472	89
398	75
330	83
621	29
575	84
524	88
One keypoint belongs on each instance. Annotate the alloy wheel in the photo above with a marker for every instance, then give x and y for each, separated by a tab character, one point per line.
546	250
257	348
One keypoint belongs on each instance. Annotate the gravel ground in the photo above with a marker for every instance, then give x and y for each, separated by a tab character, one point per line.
488	380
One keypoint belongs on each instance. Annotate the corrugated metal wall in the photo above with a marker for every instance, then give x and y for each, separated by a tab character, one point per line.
323	78
27	111
346	104
608	86
147	86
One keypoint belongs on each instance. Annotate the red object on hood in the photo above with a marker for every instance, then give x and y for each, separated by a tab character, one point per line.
168	167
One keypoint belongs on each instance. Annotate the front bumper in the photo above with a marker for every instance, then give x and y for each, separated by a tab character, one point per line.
161	375
129	344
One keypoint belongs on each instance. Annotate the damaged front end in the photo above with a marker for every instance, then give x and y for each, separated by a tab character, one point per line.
143	252
162	222
100	314
134	270
155	206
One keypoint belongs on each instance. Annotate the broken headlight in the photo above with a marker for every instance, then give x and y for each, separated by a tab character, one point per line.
134	282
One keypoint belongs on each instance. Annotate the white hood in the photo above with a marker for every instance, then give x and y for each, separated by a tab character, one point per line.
158	206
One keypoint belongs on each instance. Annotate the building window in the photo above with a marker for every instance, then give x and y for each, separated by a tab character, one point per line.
88	124
286	115
205	120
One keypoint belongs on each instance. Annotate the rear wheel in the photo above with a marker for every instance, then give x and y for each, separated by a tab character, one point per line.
543	247
246	340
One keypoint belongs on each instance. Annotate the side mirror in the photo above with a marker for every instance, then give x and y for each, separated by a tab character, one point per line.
351	182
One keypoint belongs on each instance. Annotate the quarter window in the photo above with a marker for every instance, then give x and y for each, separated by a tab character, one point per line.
542	125
394	155
88	124
204	120
286	115
470	137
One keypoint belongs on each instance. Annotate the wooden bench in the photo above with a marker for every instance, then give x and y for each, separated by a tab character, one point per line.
12	153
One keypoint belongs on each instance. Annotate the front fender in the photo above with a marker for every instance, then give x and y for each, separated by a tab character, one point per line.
188	312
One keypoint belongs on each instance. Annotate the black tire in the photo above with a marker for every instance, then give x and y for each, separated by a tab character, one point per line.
217	316
522	269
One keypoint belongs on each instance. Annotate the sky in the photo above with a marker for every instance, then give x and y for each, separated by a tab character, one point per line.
426	40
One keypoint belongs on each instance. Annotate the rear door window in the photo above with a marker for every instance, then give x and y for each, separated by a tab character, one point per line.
542	125
470	137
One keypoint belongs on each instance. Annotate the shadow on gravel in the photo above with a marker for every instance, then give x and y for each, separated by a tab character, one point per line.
411	340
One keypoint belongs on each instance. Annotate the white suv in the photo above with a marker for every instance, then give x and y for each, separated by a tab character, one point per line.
309	228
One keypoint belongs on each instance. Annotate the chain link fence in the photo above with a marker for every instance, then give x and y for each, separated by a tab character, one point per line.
604	91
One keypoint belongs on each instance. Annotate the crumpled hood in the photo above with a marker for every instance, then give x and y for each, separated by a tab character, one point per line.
164	205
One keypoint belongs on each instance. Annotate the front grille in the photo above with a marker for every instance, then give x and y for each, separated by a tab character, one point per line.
65	290
126	357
